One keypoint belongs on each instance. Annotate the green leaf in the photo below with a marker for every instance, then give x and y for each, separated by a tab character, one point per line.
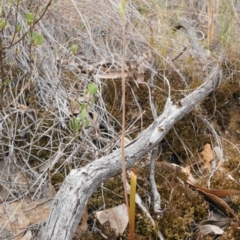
7	81
18	28
92	88
122	9
86	123
74	125
29	18
74	48
2	10
36	39
2	24
83	105
83	111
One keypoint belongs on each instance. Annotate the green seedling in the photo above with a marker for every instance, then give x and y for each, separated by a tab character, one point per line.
92	88
3	24
30	18
74	48
35	38
82	121
75	125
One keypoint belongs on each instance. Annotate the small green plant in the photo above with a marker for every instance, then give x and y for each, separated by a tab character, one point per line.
35	38
92	88
75	125
6	82
3	24
15	32
83	115
74	48
30	18
82	120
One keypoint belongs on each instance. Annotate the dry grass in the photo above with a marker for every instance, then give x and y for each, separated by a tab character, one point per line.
45	80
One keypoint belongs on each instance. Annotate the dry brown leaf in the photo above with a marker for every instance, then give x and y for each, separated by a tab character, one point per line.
111	75
187	170
116	216
218	204
217	192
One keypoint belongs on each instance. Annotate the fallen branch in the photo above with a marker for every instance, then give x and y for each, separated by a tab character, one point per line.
70	201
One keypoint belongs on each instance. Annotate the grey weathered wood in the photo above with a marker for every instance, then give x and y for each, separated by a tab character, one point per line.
70	201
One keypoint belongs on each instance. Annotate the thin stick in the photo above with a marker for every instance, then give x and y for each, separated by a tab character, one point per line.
123	15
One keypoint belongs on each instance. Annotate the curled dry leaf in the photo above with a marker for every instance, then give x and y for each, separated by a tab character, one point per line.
187	170
220	223
217	192
218	204
212	197
207	229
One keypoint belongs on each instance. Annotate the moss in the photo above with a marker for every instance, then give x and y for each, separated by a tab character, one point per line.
232	233
182	205
144	228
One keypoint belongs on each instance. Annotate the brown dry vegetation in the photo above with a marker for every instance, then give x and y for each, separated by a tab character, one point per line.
45	81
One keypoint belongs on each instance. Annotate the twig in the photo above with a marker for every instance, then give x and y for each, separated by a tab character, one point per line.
154	190
175	58
124	177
